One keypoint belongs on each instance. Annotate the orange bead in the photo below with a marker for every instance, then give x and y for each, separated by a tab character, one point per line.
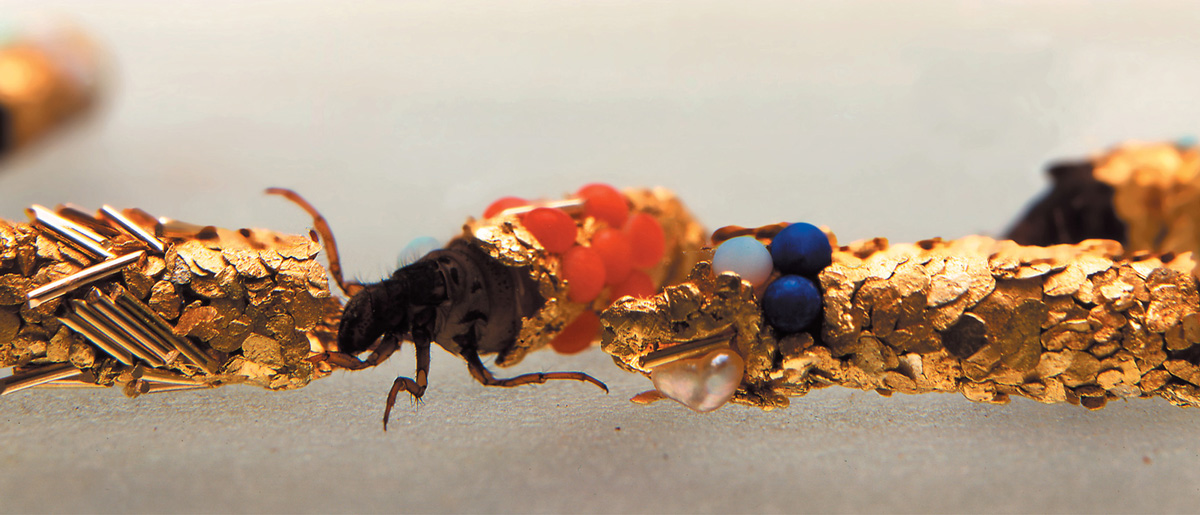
502	204
553	228
613	247
605	203
578	335
647	239
584	271
638	285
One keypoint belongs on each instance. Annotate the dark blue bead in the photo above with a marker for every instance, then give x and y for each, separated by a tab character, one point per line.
801	249
791	303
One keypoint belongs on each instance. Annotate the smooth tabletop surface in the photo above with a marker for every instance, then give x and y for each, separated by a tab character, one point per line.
905	120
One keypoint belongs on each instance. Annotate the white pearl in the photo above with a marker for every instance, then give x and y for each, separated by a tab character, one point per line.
702	384
746	257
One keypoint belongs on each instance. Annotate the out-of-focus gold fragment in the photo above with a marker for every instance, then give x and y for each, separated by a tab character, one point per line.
46	77
1156	192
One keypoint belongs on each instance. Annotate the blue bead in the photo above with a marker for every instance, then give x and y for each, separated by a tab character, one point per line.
417	248
744	256
801	249
791	303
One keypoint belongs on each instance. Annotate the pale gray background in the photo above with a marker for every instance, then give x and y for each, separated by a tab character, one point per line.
898	119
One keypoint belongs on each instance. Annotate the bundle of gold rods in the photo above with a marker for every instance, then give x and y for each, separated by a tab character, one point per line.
119	297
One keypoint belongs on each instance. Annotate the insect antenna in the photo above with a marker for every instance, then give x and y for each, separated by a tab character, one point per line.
322	227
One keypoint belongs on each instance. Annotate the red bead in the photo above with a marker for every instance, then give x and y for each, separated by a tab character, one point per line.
584	271
553	228
647	239
613	247
638	285
578	335
502	204
604	203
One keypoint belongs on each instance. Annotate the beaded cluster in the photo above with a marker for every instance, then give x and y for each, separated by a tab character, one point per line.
791	301
704	341
598	246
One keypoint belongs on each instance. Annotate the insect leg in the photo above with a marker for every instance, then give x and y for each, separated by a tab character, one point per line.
484	376
414	387
382	352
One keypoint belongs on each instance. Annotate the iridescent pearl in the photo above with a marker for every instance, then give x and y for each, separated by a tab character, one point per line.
702	384
744	256
417	248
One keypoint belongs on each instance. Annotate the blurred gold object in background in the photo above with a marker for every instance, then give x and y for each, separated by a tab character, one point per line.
47	76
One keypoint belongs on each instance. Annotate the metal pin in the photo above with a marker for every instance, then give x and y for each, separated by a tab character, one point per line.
135	230
56	289
37	377
83	217
160	328
163	387
77	324
77	235
144	334
69	383
687	350
162	376
42	211
571	206
130	328
101	323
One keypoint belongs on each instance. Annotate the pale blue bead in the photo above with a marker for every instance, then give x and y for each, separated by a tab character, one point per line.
744	256
417	248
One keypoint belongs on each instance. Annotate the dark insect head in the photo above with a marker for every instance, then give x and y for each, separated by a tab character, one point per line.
363	319
387	307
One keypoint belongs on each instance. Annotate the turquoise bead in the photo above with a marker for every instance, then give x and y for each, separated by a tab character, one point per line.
746	257
417	248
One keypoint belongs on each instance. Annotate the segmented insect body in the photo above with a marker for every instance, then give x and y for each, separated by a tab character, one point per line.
499	289
458	297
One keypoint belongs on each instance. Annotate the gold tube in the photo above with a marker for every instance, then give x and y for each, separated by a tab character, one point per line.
80	326
56	289
37	377
132	228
